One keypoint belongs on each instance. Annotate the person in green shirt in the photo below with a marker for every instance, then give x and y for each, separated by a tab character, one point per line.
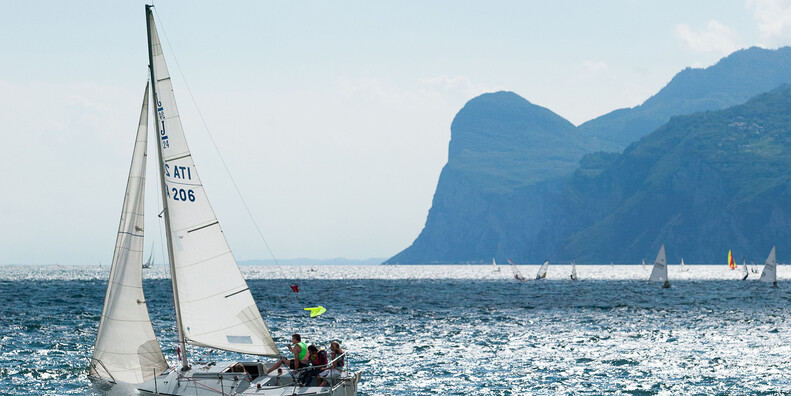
300	351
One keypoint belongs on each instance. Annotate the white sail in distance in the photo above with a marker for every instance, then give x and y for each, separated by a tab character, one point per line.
542	271
216	307
659	273
126	348
517	275
574	270
769	274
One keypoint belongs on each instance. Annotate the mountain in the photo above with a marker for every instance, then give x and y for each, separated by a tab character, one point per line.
501	146
701	184
523	183
730	82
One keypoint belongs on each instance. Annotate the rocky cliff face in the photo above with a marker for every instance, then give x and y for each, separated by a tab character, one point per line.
504	153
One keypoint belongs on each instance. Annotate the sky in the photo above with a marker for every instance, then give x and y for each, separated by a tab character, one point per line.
333	118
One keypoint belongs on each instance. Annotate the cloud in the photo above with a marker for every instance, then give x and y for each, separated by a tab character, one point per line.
773	18
715	37
595	66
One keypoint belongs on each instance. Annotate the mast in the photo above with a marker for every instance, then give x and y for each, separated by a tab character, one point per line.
182	343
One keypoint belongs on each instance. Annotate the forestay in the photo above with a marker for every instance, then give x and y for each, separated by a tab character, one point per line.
659	273
216	307
769	274
126	348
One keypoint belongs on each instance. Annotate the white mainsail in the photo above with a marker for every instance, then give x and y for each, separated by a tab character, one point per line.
542	271
126	348
769	274
213	301
683	267
494	263
659	273
745	271
573	270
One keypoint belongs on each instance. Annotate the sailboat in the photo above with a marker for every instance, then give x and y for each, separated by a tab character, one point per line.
643	263
573	270
659	273
496	268
517	275
769	274
753	267
745	271
213	304
150	261
542	270
731	263
683	267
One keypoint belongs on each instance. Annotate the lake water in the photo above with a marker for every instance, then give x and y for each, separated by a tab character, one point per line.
454	330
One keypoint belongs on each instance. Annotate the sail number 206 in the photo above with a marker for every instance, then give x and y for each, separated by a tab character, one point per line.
180	194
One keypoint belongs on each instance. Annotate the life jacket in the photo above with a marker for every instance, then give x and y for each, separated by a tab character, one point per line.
320	359
303	351
339	363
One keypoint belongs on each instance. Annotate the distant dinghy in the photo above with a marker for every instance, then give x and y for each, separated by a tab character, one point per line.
574	270
542	271
683	267
643	263
517	275
745	271
494	263
769	274
150	261
731	263
659	273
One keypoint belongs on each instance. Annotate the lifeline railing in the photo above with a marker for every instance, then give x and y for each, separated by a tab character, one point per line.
329	364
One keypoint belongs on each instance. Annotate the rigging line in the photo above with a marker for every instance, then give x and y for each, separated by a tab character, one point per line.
216	148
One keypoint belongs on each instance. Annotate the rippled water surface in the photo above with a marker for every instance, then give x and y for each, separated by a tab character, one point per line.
450	329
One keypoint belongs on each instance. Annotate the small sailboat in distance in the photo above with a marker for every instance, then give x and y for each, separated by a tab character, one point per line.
573	270
745	271
659	273
517	275
643	263
683	267
731	263
150	261
769	274
542	271
496	268
753	267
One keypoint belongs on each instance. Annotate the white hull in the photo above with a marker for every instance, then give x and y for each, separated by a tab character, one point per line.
214	379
